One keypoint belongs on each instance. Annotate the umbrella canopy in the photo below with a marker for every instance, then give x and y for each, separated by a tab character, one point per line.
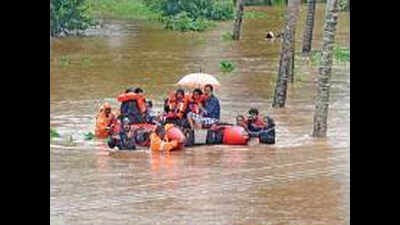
198	80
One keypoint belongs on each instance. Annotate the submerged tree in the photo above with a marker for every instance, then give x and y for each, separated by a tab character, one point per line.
324	75
286	55
309	26
238	20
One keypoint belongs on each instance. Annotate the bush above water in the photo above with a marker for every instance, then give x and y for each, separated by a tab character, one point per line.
209	9
194	15
183	22
69	15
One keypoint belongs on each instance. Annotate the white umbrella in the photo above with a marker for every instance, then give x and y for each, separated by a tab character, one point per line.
198	80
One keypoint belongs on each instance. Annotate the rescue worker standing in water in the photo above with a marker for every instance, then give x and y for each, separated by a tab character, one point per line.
166	138
105	120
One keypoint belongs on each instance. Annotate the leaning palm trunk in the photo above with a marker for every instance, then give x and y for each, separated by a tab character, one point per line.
324	75
238	20
309	26
286	55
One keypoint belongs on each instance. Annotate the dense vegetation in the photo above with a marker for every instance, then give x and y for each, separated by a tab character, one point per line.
181	15
194	15
69	15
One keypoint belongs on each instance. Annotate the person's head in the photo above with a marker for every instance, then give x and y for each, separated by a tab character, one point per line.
160	131
197	93
130	90
180	93
239	120
138	91
208	89
149	104
253	113
125	124
107	108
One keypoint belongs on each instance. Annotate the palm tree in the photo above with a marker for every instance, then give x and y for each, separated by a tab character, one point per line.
324	75
286	55
293	46
238	20
309	26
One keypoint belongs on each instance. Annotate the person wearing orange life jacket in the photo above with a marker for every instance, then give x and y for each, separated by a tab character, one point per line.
105	120
177	104
254	122
209	111
262	128
196	100
167	138
133	105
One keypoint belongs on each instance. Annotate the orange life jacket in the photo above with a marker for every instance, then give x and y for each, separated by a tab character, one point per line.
173	140
178	106
258	122
102	122
194	103
140	100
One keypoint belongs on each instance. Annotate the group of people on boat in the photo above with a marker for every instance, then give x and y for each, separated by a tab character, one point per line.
199	109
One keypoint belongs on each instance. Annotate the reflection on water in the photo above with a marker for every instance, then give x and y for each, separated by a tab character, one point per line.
299	180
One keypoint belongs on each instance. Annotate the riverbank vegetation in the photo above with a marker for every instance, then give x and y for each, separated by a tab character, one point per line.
67	16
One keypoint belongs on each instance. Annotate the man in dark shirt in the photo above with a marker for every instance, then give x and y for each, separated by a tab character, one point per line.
210	112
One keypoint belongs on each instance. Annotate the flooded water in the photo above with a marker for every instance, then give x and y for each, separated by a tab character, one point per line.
299	180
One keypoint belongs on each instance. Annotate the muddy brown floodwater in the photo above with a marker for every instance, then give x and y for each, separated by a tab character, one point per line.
299	180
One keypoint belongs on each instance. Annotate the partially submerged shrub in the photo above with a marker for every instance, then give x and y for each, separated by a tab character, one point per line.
183	22
54	133
194	15
342	54
227	36
227	66
88	136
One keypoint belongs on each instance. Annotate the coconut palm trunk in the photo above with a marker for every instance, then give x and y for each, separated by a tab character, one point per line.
293	46
324	75
286	55
309	26
238	20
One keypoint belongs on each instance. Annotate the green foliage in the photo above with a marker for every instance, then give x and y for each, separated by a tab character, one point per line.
194	15
86	60
64	60
209	9
54	133
342	54
88	136
129	9
316	58
68	15
227	36
227	66
183	22
254	15
343	5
